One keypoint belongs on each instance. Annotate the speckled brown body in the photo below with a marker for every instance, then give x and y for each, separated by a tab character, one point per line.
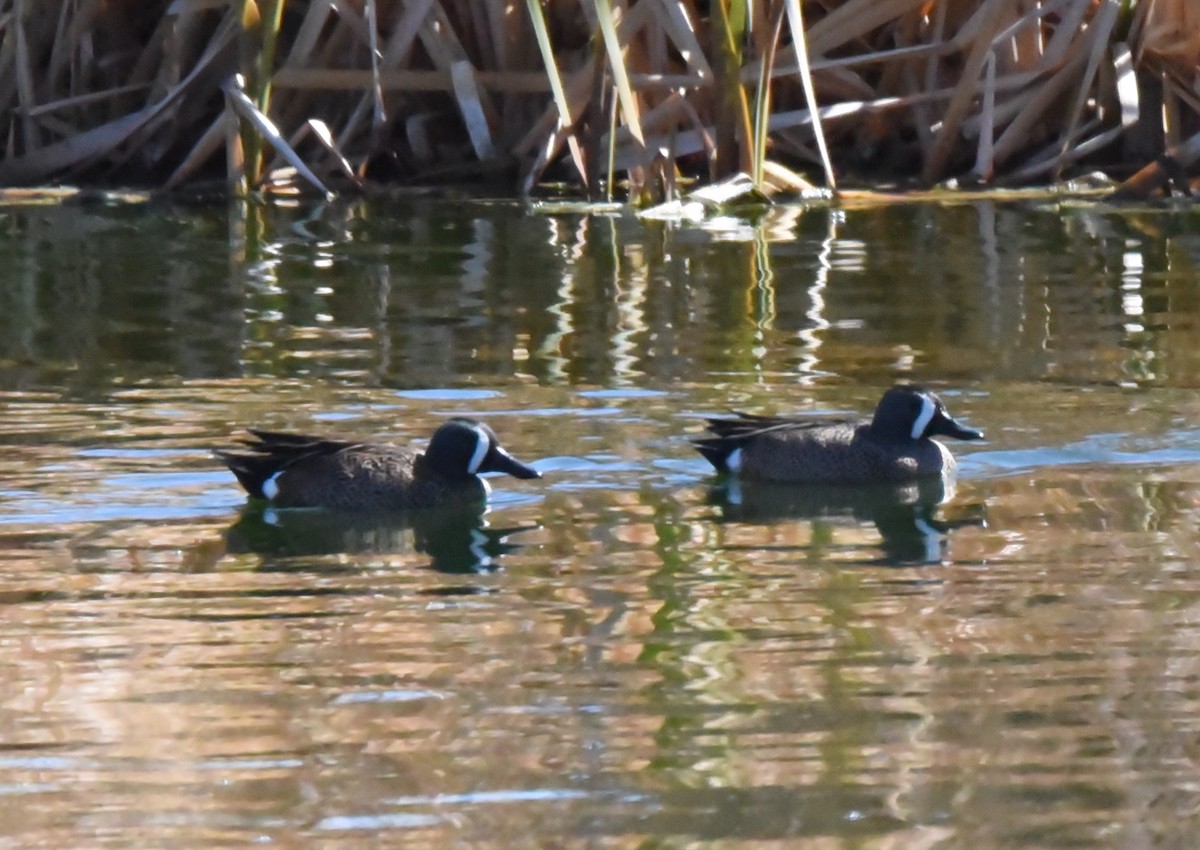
894	446
838	453
295	470
372	477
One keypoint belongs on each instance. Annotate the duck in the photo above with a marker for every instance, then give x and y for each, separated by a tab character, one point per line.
302	471
895	445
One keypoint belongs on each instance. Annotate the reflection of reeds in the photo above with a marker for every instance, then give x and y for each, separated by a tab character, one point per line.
455	89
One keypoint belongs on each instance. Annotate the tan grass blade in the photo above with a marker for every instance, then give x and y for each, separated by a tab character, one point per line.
985	154
1070	15
305	42
675	23
376	58
405	31
88	99
78	150
542	135
616	63
440	39
856	19
686	142
1052	159
565	117
288	106
1125	81
1099	32
1036	105
470	106
796	22
610	176
181	34
476	17
319	130
762	99
26	96
74	24
246	110
206	147
991	18
73	151
235	159
331	31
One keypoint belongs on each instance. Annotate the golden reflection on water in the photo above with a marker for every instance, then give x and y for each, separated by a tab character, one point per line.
635	661
631	656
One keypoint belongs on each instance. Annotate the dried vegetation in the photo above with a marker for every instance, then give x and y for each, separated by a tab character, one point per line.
340	92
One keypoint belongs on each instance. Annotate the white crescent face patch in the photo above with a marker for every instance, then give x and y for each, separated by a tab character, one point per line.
482	444
928	409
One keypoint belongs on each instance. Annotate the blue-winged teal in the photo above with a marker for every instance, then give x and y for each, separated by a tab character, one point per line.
294	470
895	445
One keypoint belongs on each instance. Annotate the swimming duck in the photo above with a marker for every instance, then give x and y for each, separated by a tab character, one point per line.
895	445
296	470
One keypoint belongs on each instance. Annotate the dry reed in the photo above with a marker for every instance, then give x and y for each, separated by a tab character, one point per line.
339	92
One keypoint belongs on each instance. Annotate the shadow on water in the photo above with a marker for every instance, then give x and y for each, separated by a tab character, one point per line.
905	515
457	540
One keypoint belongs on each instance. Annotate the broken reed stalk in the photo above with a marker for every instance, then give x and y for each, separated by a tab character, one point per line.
385	89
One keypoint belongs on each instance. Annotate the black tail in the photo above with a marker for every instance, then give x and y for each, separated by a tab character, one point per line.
269	453
252	469
716	451
731	434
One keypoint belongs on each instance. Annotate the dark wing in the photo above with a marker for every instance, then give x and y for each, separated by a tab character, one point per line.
731	434
272	451
748	425
293	446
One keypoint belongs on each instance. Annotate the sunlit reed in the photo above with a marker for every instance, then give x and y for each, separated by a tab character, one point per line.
327	96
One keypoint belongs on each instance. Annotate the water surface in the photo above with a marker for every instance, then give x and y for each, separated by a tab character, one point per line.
623	654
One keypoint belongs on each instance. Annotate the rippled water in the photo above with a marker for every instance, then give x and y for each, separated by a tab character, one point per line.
623	654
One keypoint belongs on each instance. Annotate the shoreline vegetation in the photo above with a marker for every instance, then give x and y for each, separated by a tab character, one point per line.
614	99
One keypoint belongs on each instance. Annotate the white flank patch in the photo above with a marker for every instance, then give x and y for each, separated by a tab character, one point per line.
928	408
482	443
270	488
734	462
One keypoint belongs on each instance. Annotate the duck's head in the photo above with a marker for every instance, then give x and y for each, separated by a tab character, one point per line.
914	413
463	448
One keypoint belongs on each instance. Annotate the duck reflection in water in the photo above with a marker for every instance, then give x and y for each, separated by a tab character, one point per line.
457	539
905	515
